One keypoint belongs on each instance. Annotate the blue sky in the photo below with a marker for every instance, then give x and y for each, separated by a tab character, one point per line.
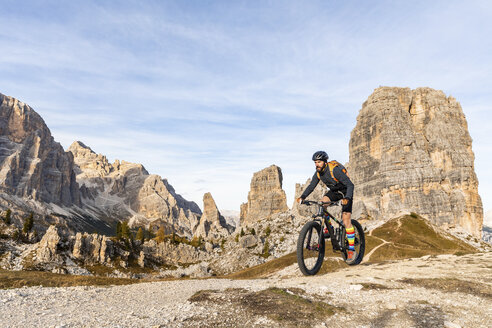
205	93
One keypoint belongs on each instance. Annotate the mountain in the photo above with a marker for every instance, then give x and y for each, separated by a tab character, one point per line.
127	191
79	189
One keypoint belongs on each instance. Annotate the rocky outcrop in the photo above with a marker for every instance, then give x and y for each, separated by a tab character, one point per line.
170	253
93	248
411	152
266	196
126	190
32	164
48	248
212	224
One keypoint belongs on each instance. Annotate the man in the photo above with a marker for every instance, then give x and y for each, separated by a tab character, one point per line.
341	188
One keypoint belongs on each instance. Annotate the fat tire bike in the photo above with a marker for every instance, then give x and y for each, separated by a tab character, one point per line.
311	241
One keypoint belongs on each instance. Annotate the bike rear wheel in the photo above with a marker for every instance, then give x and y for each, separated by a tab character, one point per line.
359	244
310	248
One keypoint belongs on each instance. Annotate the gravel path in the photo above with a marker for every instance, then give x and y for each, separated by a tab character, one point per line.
372	296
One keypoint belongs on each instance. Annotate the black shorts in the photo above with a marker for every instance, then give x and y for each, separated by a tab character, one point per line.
337	195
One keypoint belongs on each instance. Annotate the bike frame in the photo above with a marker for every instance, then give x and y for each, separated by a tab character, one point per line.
322	216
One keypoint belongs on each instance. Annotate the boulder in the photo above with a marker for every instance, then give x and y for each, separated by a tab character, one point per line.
248	241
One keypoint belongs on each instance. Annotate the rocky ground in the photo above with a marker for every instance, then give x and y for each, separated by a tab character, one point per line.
431	291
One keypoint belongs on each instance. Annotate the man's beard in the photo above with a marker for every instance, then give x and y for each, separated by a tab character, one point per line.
319	169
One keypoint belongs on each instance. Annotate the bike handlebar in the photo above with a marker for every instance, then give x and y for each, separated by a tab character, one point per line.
311	202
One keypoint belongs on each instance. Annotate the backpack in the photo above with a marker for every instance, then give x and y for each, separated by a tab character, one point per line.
331	166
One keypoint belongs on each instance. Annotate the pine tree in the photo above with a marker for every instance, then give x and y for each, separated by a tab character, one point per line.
161	234
253	232
118	230
268	231
125	230
28	223
7	217
266	250
242	232
140	235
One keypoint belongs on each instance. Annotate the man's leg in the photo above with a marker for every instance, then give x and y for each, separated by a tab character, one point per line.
349	229
325	199
346	217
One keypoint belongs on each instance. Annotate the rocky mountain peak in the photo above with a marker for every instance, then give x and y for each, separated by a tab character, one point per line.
411	152
266	196
212	223
79	188
78	148
32	164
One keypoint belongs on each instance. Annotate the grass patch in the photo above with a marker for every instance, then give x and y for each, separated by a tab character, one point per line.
453	285
332	264
17	279
411	236
264	269
371	243
287	307
373	286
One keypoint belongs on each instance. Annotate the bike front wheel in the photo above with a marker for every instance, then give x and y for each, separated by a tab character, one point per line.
310	248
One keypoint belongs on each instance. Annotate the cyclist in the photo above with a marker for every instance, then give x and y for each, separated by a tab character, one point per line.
341	188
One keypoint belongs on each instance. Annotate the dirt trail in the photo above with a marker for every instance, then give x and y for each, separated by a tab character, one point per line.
367	256
456	292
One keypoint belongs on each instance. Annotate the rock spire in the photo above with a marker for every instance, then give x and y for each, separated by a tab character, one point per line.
411	152
266	196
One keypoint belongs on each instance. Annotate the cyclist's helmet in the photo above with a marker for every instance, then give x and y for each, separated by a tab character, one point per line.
320	156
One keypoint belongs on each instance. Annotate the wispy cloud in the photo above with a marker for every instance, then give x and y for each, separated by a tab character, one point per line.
214	92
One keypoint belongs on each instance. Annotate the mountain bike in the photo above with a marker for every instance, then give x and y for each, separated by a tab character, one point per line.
311	241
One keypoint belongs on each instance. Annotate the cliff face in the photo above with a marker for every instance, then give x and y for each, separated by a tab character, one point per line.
266	196
32	164
127	191
411	152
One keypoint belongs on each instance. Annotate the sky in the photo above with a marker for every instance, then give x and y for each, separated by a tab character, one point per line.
205	93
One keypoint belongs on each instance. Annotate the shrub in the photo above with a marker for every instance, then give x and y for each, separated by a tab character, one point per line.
282	239
253	232
268	231
242	232
237	238
414	215
222	244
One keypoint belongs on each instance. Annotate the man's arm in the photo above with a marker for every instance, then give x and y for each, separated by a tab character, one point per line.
345	180
310	188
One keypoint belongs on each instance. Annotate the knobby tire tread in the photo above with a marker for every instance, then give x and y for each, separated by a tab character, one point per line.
300	249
